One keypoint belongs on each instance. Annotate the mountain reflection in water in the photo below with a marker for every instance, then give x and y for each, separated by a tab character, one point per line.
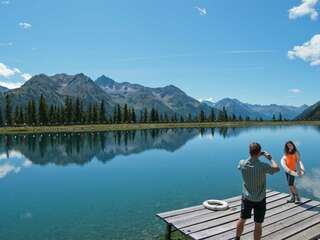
81	148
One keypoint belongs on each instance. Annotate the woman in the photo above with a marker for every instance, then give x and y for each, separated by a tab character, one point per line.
289	161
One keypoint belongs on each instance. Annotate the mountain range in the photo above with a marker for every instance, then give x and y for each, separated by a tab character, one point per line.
169	99
254	111
3	89
311	113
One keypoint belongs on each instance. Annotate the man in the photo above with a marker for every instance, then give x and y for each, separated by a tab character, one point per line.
254	188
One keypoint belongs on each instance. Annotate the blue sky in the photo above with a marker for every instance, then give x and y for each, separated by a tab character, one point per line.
208	48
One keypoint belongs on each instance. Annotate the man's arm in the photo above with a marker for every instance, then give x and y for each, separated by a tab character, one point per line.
273	167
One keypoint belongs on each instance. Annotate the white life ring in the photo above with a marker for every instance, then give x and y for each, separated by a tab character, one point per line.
292	173
215	205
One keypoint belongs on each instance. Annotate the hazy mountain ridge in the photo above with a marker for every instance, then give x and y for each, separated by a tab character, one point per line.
311	113
234	106
56	88
168	99
3	89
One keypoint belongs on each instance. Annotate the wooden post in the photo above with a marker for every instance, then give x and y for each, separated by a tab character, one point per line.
168	232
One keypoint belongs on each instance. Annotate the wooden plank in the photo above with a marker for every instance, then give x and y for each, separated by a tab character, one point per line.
284	224
208	232
228	223
272	216
196	208
310	233
206	215
300	226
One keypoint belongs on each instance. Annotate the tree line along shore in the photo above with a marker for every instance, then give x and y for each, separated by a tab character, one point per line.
75	112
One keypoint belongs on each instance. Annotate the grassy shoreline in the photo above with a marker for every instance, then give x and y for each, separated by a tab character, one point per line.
142	126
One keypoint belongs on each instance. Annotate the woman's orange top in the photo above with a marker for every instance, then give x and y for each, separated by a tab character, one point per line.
291	161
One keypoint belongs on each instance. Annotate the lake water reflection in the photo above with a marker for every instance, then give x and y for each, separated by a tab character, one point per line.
110	185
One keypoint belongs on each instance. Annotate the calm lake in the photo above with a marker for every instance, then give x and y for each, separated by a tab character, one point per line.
111	185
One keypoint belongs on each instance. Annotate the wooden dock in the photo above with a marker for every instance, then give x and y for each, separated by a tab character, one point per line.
282	221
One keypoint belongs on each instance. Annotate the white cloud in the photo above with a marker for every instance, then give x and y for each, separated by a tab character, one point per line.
210	99
202	11
306	8
25	25
295	90
17	70
5	2
5	71
8	72
308	52
6	44
11	85
26	76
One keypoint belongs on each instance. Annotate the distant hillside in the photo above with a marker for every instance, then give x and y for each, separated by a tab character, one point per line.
3	89
311	113
234	106
56	88
168	99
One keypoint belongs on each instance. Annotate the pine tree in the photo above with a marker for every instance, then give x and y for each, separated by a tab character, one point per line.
133	116
68	110
175	118
145	115
156	116
234	118
51	115
166	118
89	114
102	113
152	115
202	116
141	117
273	117
212	117
95	113
16	116
114	120
225	117
1	118
33	112
77	111
125	114
189	117
8	111
43	115
21	115
221	116
119	114
280	116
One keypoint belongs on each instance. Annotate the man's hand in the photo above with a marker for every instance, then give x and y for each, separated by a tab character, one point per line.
267	155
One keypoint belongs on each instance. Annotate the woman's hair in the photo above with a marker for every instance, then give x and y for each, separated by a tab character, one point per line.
286	148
